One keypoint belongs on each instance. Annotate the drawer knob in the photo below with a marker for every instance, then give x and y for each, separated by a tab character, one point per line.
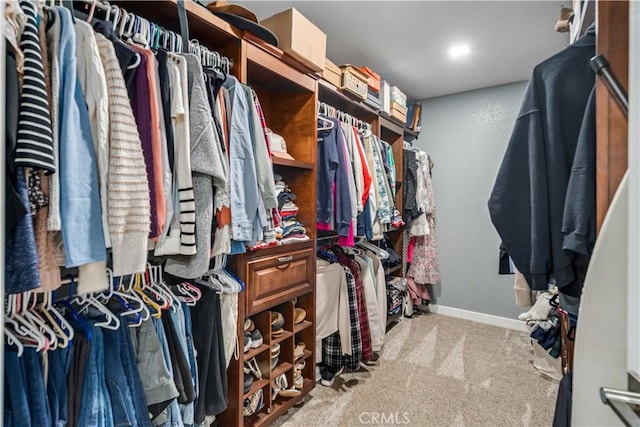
285	258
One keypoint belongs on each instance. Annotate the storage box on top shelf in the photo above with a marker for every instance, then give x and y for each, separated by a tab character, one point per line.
399	112
374	99
299	38
331	73
398	96
385	96
354	81
373	78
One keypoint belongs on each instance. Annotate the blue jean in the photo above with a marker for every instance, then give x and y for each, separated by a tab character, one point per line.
132	375
178	319
174	419
59	361
95	405
190	347
34	374
124	413
16	400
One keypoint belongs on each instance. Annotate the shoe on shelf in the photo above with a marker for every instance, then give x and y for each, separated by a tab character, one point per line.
253	403
329	375
275	353
247	342
248	325
277	332
256	338
252	366
299	315
248	381
298	380
280	387
298	352
277	320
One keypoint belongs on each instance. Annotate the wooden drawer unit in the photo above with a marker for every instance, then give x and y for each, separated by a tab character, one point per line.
278	278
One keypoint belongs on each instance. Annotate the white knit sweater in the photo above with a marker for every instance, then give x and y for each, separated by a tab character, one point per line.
128	190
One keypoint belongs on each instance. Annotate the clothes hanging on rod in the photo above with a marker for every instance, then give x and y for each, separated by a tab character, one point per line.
420	216
355	180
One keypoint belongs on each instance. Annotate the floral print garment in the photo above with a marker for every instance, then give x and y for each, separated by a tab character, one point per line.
425	268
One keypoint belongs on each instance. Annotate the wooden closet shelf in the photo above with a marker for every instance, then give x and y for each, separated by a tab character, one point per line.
255	351
299	164
301	326
410	135
257	385
267	70
282	337
336	98
281	369
391	124
272	250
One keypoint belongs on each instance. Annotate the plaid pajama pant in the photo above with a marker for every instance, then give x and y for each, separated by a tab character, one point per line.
331	345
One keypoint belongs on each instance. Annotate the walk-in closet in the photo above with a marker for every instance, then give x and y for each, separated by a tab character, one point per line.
308	213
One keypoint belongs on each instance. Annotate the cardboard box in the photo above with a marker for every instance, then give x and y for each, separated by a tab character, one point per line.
398	96
299	38
331	73
354	81
399	108
374	78
374	99
399	115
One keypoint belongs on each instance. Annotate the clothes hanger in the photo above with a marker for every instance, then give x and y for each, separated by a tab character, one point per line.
66	303
13	340
38	322
29	337
60	326
157	291
131	293
139	278
25	328
90	300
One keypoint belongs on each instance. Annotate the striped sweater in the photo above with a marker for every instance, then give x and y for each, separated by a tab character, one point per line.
128	191
35	138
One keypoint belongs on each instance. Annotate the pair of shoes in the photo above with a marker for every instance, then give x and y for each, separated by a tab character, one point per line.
298	380
280	386
329	375
251	366
252	339
253	403
298	352
275	353
277	323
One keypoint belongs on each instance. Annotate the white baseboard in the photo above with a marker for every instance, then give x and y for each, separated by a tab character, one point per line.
488	319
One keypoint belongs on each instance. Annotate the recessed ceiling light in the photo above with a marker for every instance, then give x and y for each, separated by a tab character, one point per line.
459	51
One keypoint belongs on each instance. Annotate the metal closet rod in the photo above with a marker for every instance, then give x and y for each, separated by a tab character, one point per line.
328	110
207	57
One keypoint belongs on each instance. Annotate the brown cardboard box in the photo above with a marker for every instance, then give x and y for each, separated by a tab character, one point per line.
399	112
299	37
354	81
331	73
399	107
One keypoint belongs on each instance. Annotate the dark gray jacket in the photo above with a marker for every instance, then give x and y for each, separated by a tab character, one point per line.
528	198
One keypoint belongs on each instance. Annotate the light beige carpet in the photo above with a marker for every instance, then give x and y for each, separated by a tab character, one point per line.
437	371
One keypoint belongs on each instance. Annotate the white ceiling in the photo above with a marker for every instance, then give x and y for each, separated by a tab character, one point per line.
407	42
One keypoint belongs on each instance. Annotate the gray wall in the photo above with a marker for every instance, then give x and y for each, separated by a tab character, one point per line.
466	136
